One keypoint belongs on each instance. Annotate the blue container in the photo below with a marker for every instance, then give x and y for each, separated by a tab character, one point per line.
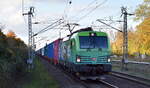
50	50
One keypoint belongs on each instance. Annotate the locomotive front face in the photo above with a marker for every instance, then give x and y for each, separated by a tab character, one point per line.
87	52
93	48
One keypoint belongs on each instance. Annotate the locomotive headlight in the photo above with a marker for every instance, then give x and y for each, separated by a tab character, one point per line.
92	34
108	59
78	59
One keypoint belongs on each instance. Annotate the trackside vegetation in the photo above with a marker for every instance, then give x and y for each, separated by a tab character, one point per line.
39	78
13	66
13	55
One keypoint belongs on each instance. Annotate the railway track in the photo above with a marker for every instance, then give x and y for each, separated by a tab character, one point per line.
131	78
100	83
74	78
111	81
108	84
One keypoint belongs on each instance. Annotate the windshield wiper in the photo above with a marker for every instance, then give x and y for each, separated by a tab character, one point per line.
91	41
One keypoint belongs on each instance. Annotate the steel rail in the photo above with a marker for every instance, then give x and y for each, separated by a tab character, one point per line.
84	83
76	79
132	78
107	84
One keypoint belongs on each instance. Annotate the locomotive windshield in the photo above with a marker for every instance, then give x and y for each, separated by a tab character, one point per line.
90	42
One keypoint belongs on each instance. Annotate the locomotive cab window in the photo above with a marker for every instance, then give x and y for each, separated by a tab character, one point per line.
93	42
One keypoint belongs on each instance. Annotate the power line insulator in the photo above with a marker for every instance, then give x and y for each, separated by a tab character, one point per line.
70	2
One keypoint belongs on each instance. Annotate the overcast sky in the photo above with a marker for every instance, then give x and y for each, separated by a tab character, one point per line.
47	10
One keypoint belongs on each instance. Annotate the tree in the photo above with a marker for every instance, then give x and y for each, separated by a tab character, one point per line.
11	34
143	31
118	44
13	54
143	10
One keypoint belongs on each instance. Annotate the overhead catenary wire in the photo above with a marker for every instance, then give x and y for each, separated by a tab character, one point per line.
89	11
83	9
49	27
45	21
89	5
108	25
81	18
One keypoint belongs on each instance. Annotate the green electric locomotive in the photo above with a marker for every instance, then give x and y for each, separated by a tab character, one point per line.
86	52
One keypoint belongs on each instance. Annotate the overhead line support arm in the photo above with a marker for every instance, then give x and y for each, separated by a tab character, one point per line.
108	25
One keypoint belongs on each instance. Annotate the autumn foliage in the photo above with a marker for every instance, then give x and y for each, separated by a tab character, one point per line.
11	34
138	41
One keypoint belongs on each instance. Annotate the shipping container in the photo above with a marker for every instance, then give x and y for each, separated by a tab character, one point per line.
50	50
56	50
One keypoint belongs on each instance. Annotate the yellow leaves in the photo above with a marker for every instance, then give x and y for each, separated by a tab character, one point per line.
146	0
144	32
138	41
144	27
117	44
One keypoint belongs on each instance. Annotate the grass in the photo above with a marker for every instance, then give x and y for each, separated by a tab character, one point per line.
39	78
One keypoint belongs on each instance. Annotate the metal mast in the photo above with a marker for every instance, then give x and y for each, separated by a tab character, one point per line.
125	34
30	37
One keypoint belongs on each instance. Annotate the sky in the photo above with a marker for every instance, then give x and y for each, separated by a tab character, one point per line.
83	12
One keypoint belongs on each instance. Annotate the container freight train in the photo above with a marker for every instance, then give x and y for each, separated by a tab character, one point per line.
85	52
